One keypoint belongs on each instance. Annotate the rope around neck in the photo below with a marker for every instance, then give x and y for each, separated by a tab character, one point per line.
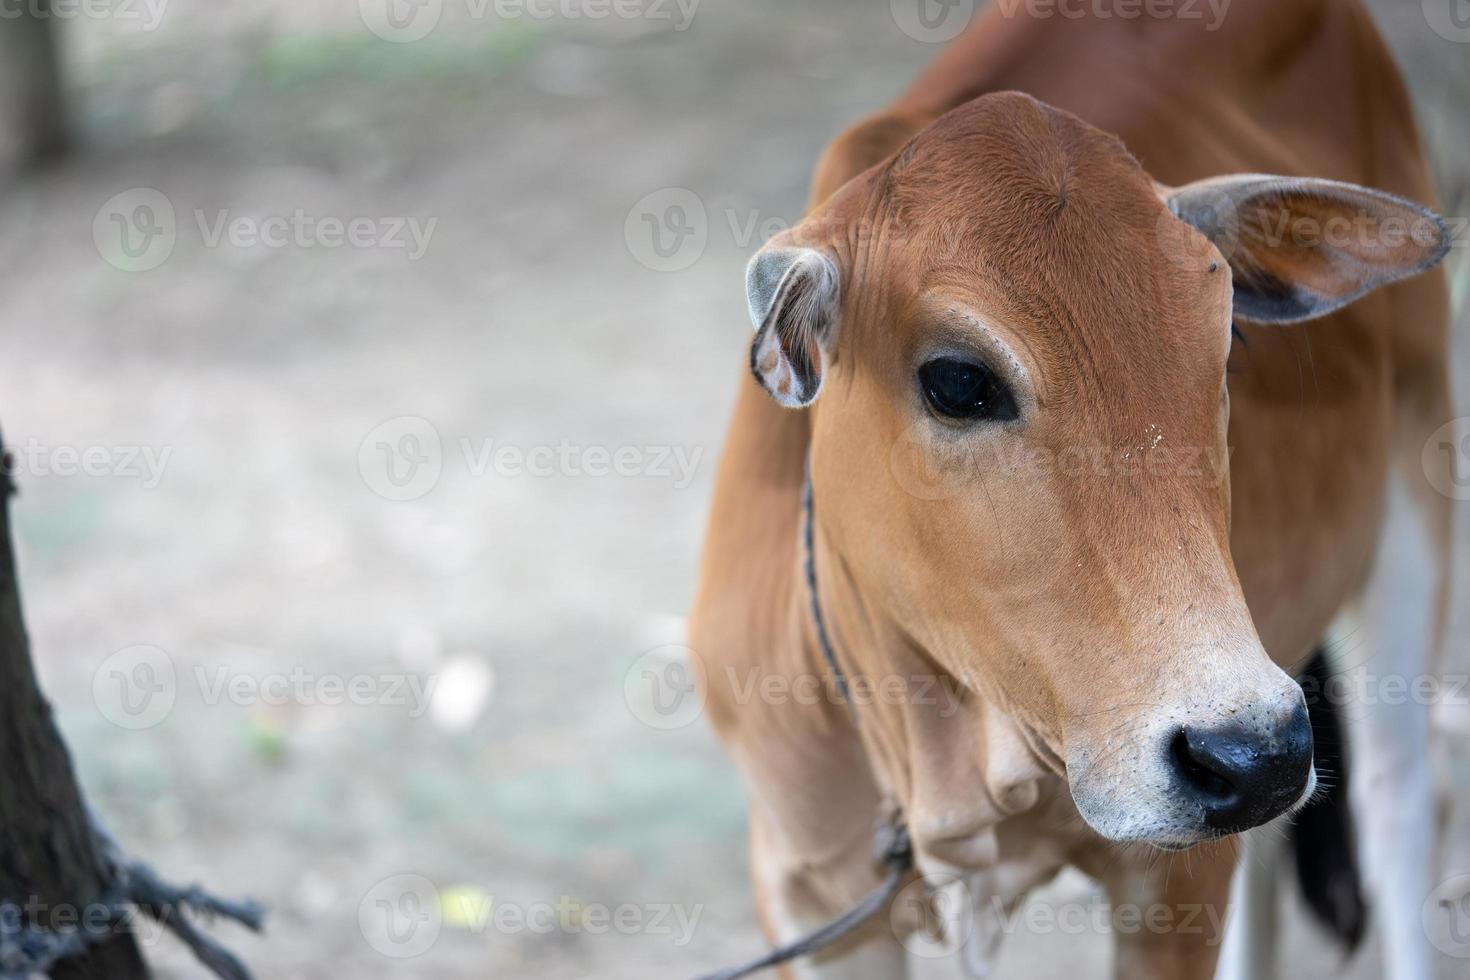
897	855
895	848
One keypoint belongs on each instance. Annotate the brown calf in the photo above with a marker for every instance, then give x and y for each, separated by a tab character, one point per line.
1087	485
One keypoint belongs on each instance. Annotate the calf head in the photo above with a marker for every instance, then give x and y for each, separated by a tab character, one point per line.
1012	343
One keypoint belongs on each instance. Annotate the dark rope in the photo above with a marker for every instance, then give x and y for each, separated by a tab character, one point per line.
898	857
27	949
824	639
168	905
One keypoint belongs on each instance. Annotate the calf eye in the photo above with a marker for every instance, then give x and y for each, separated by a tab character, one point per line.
967	391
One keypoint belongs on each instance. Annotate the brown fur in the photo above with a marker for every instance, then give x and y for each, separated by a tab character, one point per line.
1055	606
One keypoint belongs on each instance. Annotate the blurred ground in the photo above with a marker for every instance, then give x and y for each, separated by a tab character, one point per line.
267	565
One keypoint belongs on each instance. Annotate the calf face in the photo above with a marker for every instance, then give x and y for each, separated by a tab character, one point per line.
1019	449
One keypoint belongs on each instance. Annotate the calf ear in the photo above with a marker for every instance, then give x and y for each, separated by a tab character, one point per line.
1300	249
793	295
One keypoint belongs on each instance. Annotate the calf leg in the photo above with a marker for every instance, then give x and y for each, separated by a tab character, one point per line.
1392	636
1169	912
1250	943
798	894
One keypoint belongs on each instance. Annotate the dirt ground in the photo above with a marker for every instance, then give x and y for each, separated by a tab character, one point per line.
317	471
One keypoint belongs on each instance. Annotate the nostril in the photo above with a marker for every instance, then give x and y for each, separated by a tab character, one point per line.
1195	768
1239	776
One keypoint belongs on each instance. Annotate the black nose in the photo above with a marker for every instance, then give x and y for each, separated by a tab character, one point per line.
1241	776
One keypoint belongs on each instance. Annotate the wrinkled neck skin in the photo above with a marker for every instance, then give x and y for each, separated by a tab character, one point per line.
957	765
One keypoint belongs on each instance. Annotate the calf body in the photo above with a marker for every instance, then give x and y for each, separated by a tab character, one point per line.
1063	489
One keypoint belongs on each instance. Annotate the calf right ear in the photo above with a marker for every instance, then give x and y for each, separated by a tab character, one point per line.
793	294
1300	248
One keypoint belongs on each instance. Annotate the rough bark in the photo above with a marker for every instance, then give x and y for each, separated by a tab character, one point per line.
32	118
50	862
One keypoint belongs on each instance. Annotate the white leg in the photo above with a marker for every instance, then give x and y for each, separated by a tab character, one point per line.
1249	952
1386	646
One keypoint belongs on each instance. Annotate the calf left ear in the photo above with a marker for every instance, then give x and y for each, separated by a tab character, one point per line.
1299	249
793	295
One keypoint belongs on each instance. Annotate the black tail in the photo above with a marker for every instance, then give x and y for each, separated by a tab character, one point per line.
1322	833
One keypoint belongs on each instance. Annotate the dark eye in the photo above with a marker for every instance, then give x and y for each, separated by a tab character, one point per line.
964	390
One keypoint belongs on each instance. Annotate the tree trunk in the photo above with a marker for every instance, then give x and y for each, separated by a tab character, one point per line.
32	122
50	864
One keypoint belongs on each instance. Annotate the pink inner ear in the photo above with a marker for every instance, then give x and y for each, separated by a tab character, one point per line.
814	353
787	356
